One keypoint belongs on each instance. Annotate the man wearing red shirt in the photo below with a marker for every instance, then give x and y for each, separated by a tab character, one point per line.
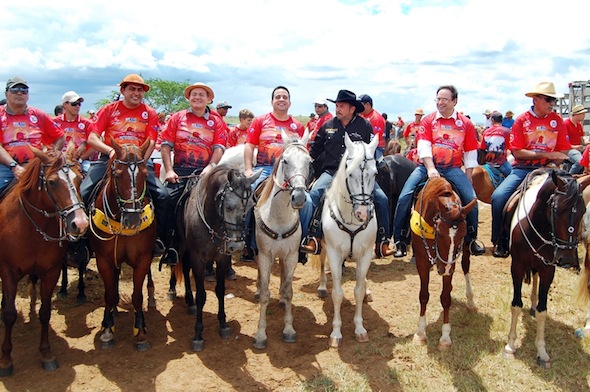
323	114
538	137
76	128
446	141
239	133
129	121
495	141
23	126
377	122
411	131
575	131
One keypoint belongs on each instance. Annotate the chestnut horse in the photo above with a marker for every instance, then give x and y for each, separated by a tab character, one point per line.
485	180
543	234
438	228
41	211
123	230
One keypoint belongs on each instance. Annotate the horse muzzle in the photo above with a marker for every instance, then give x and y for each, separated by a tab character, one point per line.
298	197
131	220
76	222
362	212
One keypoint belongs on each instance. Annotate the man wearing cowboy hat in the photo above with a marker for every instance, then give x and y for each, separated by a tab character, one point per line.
538	137
330	142
575	131
508	120
488	121
412	130
129	121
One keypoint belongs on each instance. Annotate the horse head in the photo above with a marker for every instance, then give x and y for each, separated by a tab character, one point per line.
292	171
60	175
128	176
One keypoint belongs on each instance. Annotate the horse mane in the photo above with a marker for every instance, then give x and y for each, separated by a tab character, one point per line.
31	175
268	184
393	147
344	170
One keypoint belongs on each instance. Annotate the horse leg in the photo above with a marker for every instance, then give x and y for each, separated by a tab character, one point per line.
465	265
264	267
81	298
534	294
9	288
587	326
517	276
423	268
445	341
288	270
201	296
222	267
33	295
111	297
189	298
63	291
258	282
48	283
172	283
140	271
337	296
151	289
360	291
543	359
322	288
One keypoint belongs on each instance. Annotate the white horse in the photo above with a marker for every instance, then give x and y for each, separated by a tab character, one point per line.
350	226
234	157
278	229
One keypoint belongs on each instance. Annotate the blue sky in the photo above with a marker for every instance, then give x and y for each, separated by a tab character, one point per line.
398	52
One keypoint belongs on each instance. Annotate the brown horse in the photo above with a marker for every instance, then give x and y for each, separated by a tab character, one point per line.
44	203
543	230
123	230
438	228
481	178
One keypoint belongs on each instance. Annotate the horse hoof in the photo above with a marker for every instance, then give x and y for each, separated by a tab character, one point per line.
508	354
61	295
361	337
81	300
419	340
257	297
289	338
192	310
171	295
335	342
225	332
259	344
444	346
152	303
107	344
142	346
532	312
7	371
50	364
544	364
198	345
368	298
322	293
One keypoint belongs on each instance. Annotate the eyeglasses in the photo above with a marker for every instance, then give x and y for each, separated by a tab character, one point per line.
549	99
78	103
443	100
15	90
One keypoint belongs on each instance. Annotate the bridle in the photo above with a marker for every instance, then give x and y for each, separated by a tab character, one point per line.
556	243
223	237
63	213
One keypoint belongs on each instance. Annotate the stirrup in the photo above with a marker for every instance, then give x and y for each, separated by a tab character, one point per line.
400	250
382	249
313	246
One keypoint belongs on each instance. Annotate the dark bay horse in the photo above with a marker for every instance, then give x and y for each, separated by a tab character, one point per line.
544	229
438	228
41	211
123	230
211	227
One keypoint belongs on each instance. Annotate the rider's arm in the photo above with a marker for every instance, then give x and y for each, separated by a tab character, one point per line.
248	159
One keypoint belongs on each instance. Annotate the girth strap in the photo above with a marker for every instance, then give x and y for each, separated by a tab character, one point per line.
351	233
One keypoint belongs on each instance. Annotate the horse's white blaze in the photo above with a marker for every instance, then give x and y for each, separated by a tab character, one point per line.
453	236
80	217
527	200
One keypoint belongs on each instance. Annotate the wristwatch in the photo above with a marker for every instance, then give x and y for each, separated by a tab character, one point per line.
13	164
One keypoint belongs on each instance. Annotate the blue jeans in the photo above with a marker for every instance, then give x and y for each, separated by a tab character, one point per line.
575	156
381	204
304	213
6	177
501	196
505	168
456	176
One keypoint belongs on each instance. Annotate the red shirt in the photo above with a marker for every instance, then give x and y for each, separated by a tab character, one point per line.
265	132
318	124
574	132
411	129
540	134
32	128
378	123
237	136
126	125
449	137
76	130
194	138
585	161
495	140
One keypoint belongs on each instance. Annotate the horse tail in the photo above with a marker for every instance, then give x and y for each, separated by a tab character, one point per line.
583	289
177	271
315	261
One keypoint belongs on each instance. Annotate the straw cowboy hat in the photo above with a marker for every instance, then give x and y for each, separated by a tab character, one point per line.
350	97
419	111
187	91
544	88
579	109
135	79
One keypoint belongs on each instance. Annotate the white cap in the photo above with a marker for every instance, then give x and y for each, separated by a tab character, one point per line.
321	101
71	96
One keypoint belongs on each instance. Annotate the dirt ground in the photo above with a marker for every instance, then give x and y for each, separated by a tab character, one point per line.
233	363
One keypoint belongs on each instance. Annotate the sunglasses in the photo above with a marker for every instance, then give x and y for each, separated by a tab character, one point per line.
75	103
15	90
549	99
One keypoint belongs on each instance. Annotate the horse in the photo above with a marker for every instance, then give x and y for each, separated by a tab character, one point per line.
278	231
438	229
350	227
543	231
123	230
485	180
583	289
44	203
393	147
211	227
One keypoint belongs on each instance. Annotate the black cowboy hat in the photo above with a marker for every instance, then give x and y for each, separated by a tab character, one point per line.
350	97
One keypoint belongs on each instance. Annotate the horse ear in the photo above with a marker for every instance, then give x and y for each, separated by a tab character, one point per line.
374	143
143	148
40	154
347	142
284	136
466	209
305	137
254	176
116	146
